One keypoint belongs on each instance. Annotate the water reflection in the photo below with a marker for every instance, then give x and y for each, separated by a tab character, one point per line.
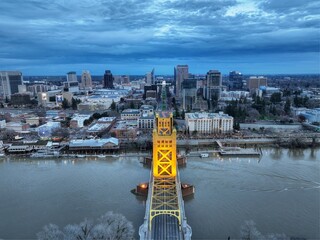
296	154
276	153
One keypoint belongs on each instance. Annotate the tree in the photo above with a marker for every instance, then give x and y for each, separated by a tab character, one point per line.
113	106
287	106
275	97
65	104
74	103
60	132
50	232
249	231
132	105
96	115
7	134
108	226
183	114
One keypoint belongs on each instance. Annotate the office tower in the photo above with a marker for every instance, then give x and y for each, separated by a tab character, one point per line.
150	79
108	79
86	80
235	80
9	83
189	93
72	77
254	83
72	84
213	85
181	72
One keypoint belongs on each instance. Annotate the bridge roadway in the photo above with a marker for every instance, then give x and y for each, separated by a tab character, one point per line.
165	226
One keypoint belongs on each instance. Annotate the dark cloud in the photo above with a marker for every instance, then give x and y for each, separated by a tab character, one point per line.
98	32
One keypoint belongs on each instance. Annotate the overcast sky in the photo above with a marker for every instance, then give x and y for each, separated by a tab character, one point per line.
53	37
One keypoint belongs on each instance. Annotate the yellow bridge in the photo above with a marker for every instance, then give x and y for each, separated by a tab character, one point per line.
165	216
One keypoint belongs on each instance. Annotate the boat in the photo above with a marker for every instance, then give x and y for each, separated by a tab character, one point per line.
45	154
100	156
80	156
204	155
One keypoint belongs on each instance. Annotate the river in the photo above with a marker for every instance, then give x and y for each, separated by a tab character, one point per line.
280	193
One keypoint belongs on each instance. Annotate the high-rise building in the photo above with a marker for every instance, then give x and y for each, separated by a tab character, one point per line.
254	83
9	83
189	93
150	79
86	80
108	80
72	84
235	80
181	72
72	77
213	85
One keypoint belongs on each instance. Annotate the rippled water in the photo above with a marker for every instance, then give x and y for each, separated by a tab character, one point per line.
281	193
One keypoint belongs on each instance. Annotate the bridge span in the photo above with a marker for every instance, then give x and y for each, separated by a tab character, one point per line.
165	215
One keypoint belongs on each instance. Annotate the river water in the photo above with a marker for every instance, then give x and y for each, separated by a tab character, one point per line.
280	193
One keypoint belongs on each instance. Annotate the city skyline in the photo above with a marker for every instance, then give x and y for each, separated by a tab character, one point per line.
132	37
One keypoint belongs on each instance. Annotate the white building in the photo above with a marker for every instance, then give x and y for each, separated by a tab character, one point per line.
78	120
312	115
146	117
234	95
209	122
130	114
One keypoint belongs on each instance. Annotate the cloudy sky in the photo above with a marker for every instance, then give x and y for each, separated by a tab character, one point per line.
133	36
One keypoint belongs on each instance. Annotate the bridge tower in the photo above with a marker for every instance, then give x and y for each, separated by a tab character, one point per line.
165	216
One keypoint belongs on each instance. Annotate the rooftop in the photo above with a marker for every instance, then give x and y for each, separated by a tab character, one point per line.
205	115
93	142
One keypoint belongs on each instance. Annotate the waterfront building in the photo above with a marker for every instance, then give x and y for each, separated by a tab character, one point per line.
108	80
94	144
9	83
213	85
181	72
125	129
235	80
203	122
86	80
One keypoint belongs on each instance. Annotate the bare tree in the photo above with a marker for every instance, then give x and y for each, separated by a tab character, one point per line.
50	232
110	226
249	231
7	134
60	132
